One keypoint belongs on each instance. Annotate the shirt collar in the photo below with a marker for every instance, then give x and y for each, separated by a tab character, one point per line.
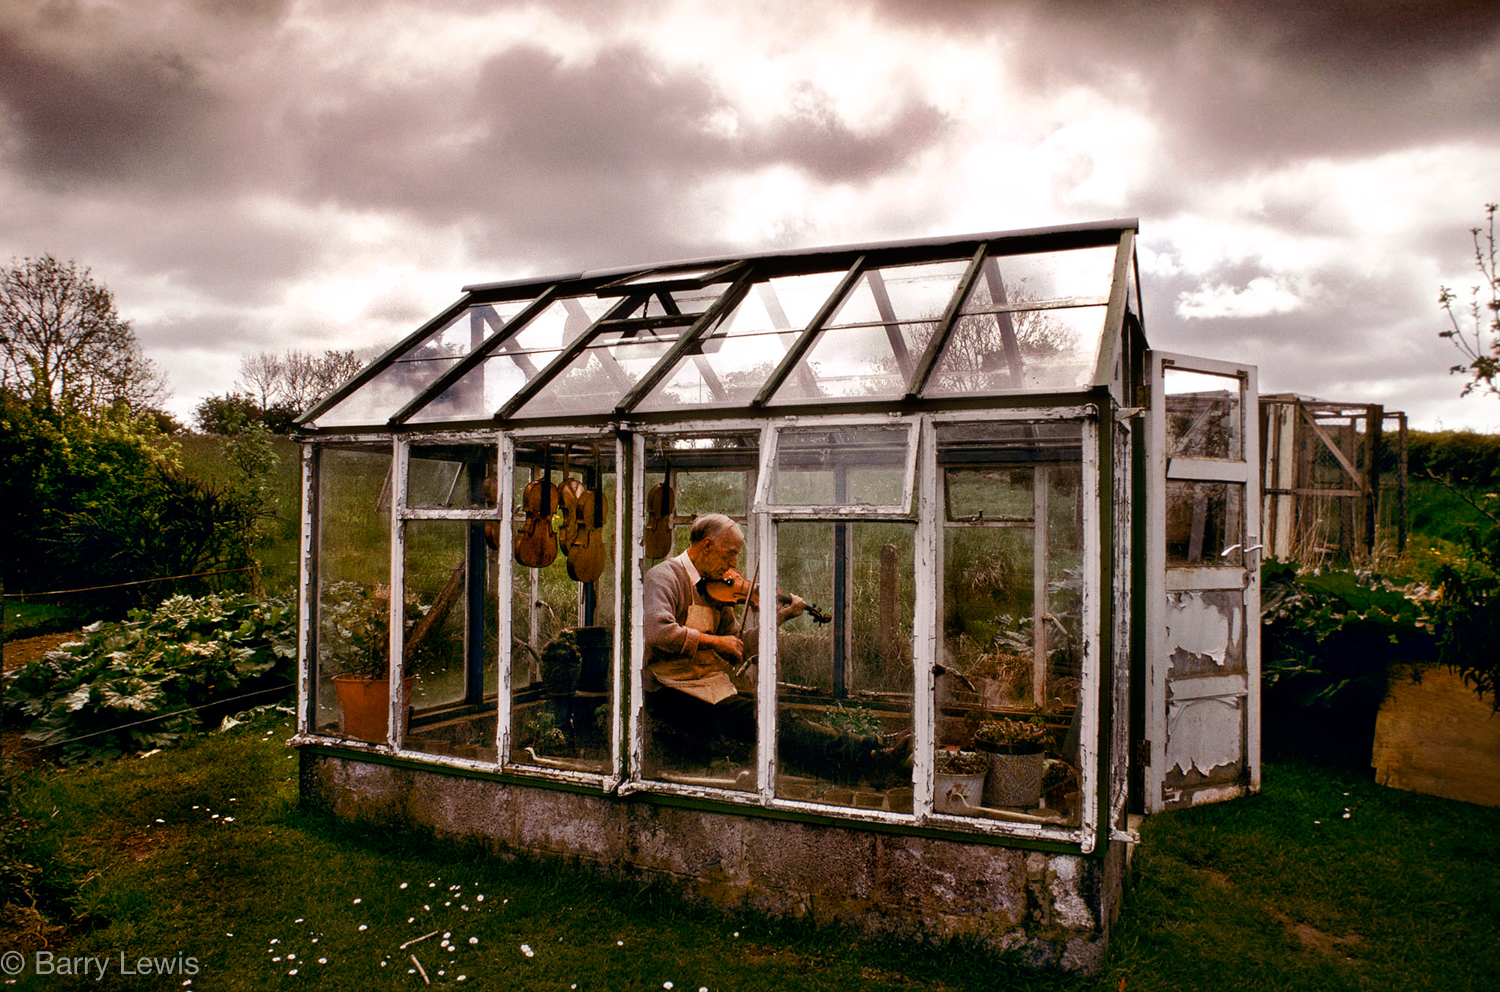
692	570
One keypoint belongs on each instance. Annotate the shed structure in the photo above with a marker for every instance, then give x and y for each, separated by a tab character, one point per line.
960	449
1335	475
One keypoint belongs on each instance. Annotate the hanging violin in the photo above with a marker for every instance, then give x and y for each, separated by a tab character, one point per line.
660	508
587	552
732	589
536	541
571	492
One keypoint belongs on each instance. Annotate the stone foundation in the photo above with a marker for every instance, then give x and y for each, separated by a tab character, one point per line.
1054	910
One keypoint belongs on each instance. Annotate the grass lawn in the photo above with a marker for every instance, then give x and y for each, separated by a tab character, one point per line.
200	852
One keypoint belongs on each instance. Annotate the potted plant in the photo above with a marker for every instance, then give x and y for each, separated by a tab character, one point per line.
1002	675
1017	755
354	646
958	780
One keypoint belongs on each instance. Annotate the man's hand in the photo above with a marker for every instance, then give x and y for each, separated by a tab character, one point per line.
794	608
726	644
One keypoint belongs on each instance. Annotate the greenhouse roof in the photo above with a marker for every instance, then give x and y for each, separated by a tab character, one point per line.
895	323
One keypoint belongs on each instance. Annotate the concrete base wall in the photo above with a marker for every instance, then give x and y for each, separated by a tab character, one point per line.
1054	910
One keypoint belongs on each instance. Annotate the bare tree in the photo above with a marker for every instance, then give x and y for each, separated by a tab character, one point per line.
64	344
1481	357
307	378
339	367
260	376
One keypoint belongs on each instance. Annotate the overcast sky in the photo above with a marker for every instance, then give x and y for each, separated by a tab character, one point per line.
251	175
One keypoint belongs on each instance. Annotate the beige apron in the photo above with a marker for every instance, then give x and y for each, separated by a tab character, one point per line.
703	675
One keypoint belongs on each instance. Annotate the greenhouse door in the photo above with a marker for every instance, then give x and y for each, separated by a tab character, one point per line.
1202	716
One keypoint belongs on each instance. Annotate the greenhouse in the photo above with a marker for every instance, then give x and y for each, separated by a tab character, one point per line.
993	594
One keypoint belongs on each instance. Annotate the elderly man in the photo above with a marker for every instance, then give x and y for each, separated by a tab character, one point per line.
692	644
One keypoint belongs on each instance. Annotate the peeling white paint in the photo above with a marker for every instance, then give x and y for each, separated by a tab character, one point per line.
1203	734
1200	628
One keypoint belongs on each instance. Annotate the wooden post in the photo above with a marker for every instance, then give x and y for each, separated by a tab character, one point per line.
890	654
1374	446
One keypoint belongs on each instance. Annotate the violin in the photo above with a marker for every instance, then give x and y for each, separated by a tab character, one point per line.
572	493
660	508
536	541
732	588
586	552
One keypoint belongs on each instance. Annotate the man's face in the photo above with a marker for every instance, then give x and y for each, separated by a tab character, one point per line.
721	553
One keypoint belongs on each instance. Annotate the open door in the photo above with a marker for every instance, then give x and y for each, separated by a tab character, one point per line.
1203	583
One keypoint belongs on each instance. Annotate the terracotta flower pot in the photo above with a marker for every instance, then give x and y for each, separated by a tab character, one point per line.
365	705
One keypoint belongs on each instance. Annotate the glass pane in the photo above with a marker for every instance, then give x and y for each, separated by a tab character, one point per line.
1205	522
516	361
451	654
870	346
1026	349
793	301
700	716
450	476
1078	276
562	612
396	385
900	293
599	378
857	362
734	360
988	493
688	301
1203	415
707	475
354	540
1013	660
863	466
844	688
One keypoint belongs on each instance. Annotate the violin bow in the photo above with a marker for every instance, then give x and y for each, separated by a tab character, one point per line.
740	618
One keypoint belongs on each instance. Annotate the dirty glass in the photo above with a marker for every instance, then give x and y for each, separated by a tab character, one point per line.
700	475
1205	524
1203	415
1077	277
608	368
1007	691
402	381
700	734
353	599
562	605
1029	322
1047	349
870	346
515	361
450	476
850	466
844	687
620	355
450	653
732	362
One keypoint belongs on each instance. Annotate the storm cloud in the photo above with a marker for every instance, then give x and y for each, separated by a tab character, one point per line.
258	175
